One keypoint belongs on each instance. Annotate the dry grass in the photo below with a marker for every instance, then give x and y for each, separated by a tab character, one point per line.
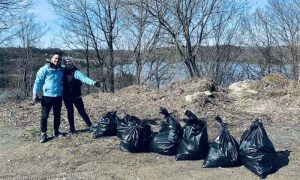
277	104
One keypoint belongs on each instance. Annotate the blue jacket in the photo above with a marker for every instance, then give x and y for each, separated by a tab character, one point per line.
50	80
83	78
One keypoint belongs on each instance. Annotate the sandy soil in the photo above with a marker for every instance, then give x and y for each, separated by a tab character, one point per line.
81	157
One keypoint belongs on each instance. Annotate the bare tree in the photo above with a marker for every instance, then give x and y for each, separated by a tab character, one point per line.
266	47
143	34
160	70
10	12
187	23
29	35
284	21
224	43
80	31
106	12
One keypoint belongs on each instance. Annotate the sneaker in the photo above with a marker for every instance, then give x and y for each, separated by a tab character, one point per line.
57	134
43	138
71	133
92	128
96	134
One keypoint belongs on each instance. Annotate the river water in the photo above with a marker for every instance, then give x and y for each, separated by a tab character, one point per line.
227	73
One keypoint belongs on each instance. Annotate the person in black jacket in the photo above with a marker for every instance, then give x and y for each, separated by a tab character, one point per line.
72	81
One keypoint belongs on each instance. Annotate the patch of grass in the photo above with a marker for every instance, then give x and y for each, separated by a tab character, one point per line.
273	85
50	130
277	80
257	86
277	93
34	133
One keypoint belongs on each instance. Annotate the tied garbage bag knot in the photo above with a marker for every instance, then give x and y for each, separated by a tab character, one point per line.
126	121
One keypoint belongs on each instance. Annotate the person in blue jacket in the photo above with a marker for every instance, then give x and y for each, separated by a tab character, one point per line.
72	81
49	79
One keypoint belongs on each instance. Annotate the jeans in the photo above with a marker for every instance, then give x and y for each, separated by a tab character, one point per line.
70	110
47	104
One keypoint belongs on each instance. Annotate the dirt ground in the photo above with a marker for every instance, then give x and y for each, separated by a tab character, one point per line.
274	99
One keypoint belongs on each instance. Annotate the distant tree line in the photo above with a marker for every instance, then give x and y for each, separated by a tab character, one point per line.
210	38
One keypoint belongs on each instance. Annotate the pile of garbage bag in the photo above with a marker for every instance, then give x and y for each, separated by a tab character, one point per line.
190	142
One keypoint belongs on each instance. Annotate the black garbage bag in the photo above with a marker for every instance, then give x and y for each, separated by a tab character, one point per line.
194	142
125	122
136	138
166	141
257	152
223	151
108	124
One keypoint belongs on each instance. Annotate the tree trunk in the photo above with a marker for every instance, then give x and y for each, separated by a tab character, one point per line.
111	65
87	65
194	66
138	69
188	65
298	80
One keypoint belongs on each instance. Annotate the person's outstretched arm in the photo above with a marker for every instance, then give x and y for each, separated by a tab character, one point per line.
83	78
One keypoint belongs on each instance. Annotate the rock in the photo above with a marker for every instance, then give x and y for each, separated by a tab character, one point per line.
195	96
192	97
207	93
242	88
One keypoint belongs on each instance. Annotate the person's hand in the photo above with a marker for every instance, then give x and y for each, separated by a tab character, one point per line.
35	98
97	84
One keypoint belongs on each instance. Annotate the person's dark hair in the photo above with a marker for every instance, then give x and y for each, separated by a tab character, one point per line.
58	53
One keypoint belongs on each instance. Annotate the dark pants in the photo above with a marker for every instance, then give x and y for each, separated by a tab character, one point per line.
80	107
47	104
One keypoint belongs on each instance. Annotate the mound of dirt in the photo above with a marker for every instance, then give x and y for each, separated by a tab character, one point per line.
276	85
135	89
192	85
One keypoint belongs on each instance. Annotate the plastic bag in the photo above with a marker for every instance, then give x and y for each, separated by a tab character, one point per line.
166	141
107	125
136	138
223	150
194	142
125	122
257	152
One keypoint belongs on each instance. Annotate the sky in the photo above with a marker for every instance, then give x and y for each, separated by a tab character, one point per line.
258	3
45	15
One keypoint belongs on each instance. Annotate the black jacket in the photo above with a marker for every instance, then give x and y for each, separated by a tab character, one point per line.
71	86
